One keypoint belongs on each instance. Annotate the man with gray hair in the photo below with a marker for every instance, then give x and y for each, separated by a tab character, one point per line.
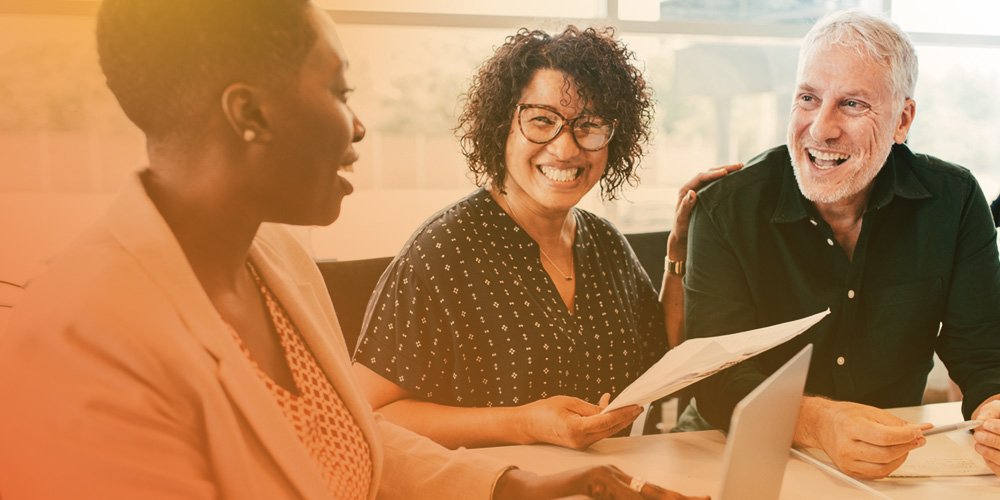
900	246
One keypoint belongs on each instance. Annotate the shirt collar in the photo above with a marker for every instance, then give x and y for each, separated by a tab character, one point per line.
896	178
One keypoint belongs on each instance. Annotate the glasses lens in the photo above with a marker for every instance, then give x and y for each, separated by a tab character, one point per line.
539	125
592	132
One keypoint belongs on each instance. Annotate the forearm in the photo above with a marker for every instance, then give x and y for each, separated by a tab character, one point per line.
454	426
672	301
672	293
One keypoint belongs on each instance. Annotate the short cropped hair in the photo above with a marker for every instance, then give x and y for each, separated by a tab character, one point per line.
168	61
871	35
606	79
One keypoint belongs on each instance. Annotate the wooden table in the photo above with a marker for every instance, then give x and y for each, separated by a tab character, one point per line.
692	464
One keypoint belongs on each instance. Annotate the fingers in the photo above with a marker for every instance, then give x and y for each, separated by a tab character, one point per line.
877	450
604	425
882	435
988	444
654	491
732	167
684	207
875	426
884	455
990	456
867	442
578	406
872	470
605	399
577	424
703	178
988	410
601	482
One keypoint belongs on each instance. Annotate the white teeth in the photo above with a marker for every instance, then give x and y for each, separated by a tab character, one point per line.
560	174
820	155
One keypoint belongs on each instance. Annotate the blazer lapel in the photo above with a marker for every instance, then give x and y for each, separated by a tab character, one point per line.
138	225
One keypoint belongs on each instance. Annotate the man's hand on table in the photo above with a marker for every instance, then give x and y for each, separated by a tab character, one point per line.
987	436
863	441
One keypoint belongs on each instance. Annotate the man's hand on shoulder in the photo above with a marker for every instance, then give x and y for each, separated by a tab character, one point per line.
863	441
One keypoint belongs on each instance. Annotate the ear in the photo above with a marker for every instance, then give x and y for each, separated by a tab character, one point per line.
242	106
905	121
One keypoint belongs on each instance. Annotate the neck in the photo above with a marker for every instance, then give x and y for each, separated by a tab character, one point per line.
213	227
849	210
550	228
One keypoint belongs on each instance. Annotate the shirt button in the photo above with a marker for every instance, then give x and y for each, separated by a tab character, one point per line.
829	242
813	222
841	361
850	294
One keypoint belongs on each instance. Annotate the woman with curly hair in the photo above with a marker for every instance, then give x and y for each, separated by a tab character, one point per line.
506	312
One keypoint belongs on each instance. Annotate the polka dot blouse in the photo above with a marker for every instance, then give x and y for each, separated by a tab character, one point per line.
467	316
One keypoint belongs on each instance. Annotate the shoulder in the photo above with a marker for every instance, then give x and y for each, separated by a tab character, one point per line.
760	178
467	221
95	312
87	280
933	169
599	228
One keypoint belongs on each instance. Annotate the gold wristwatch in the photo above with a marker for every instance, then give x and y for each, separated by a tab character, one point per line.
675	267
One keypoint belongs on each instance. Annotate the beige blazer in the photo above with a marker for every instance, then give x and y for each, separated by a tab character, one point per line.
118	379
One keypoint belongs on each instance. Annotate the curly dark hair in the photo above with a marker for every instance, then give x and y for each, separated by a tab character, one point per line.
167	61
606	78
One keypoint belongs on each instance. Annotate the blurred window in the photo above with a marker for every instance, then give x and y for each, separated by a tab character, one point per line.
722	71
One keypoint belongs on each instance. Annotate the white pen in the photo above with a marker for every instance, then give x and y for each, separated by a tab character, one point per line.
968	424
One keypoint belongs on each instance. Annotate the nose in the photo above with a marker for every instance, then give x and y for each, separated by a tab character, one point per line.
826	123
564	146
359	130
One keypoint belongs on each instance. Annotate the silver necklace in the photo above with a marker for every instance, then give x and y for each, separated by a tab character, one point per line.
567	277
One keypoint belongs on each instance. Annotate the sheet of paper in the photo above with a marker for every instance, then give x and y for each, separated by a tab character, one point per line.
941	456
699	358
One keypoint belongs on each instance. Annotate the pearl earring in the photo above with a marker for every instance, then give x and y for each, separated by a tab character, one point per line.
249	135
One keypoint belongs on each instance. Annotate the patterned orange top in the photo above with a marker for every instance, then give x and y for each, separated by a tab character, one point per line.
321	420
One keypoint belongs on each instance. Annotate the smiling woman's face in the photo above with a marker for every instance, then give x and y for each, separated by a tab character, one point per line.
314	131
553	176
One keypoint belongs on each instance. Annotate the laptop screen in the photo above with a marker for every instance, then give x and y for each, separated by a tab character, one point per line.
760	433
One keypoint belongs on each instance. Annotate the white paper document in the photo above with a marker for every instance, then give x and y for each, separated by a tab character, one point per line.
942	456
696	359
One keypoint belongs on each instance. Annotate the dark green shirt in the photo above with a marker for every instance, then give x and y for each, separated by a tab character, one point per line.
760	254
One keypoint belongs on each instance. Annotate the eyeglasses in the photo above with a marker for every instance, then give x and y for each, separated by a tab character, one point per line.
541	124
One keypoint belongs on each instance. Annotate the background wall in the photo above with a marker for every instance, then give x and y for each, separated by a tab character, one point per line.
723	72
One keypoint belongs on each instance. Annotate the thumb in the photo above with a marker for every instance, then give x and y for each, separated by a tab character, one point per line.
605	399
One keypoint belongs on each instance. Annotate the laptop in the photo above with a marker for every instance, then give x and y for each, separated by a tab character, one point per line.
760	434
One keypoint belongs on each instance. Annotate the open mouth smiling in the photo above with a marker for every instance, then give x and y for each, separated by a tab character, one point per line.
824	160
560	174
